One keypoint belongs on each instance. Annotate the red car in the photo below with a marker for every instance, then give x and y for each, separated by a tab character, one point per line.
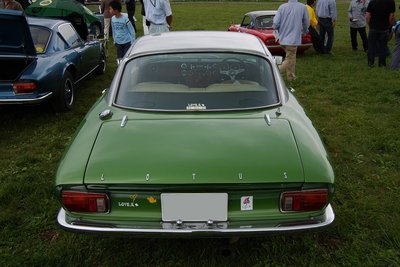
259	23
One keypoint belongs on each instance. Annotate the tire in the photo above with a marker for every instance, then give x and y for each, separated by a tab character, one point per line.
101	69
64	97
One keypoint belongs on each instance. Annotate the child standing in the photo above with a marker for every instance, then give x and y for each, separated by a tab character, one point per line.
122	30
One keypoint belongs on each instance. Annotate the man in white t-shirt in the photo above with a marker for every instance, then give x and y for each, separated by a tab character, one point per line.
158	14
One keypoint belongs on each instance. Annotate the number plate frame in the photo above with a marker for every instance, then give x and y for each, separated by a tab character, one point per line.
194	207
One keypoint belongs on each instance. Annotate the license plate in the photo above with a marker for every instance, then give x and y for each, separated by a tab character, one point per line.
194	207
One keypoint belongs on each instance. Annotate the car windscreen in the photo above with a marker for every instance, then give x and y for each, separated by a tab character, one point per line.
40	38
265	22
197	82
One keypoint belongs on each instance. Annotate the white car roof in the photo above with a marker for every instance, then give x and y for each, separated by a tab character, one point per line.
198	41
261	13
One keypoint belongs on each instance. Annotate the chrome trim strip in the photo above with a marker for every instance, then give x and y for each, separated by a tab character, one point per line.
18	56
124	121
328	218
26	101
87	74
267	119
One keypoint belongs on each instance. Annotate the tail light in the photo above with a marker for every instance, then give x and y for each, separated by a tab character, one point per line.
306	39
85	202
311	200
270	41
24	87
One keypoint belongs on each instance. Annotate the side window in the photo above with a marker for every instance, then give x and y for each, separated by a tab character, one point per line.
40	37
265	22
60	44
246	22
70	35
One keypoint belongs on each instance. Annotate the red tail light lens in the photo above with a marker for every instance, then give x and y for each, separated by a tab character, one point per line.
85	202
24	87
270	41
304	200
306	39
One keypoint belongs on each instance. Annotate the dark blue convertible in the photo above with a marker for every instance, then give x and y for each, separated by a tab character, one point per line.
43	59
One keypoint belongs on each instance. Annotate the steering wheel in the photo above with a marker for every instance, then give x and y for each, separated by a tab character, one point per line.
232	71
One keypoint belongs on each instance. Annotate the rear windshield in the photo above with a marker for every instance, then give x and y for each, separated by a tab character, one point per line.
197	82
40	38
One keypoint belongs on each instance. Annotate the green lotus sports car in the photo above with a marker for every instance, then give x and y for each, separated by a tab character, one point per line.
196	136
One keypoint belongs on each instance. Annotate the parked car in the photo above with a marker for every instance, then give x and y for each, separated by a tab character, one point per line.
259	23
45	59
197	135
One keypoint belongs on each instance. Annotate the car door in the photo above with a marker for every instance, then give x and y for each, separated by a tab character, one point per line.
87	53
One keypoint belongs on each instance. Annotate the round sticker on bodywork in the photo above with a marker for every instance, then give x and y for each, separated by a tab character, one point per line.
46	2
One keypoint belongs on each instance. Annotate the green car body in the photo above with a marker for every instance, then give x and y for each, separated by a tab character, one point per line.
199	171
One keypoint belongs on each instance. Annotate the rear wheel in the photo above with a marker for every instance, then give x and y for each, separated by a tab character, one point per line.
64	97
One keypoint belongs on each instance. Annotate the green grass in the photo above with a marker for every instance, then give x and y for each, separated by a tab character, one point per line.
355	109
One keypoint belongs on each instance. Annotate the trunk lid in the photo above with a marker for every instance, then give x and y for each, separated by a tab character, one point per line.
16	37
195	151
17	50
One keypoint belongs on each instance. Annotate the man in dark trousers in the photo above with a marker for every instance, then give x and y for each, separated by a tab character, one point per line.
380	18
312	29
130	7
326	12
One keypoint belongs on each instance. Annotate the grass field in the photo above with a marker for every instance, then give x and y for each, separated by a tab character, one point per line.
355	108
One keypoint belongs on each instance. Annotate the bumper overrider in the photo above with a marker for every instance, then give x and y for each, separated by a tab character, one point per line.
210	228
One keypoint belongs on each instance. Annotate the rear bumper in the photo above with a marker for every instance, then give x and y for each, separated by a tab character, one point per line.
27	100
278	49
201	229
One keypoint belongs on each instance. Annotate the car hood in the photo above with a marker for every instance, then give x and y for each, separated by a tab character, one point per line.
191	151
16	37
